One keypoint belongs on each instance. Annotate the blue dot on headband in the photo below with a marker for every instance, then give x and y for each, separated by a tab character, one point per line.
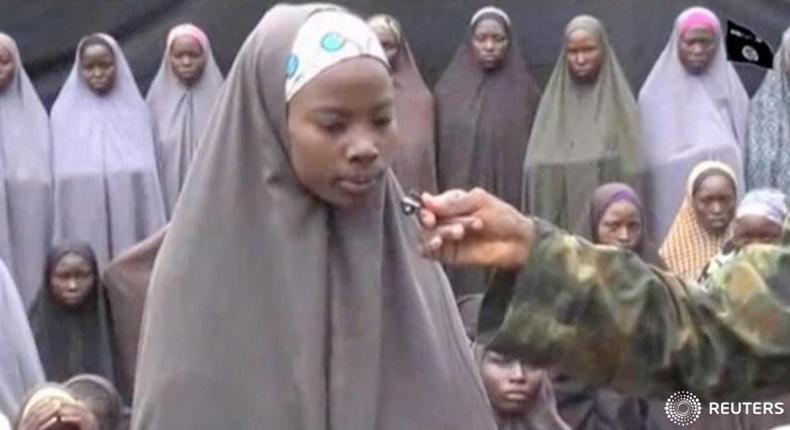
332	42
291	65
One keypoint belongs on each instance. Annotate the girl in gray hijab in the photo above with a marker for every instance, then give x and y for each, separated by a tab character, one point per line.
288	293
106	184
25	174
180	99
586	128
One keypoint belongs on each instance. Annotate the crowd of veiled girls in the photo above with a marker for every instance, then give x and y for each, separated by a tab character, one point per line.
684	175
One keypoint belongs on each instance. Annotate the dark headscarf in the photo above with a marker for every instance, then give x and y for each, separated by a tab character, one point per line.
585	135
605	196
269	308
72	341
415	159
484	121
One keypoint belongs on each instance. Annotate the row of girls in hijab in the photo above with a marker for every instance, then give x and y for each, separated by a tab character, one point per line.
548	153
91	171
587	156
367	308
97	176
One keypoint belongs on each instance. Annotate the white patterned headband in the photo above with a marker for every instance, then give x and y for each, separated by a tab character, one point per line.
325	39
489	10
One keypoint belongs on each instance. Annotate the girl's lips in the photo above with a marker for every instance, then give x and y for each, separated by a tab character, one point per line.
359	185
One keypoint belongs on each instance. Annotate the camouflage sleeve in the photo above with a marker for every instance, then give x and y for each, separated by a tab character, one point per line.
606	318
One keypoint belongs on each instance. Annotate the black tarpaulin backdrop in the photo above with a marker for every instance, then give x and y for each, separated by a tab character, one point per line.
48	30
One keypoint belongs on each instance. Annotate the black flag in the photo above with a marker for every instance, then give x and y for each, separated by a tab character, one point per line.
744	46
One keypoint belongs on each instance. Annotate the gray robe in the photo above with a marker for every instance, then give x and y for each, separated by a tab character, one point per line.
20	368
26	188
179	115
107	189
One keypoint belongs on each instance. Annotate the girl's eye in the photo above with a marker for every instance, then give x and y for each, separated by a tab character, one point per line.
383	122
334	127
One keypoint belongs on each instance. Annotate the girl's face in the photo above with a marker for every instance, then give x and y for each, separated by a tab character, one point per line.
490	43
187	59
97	67
584	55
750	229
72	280
714	202
7	67
511	385
696	49
620	225
342	131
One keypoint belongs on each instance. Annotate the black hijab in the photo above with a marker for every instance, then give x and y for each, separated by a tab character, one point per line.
72	341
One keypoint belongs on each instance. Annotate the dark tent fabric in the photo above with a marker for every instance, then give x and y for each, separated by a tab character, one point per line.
48	30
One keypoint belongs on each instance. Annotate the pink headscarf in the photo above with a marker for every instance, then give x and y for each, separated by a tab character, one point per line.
697	17
188	30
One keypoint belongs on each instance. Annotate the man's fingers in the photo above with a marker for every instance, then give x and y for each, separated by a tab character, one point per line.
427	219
454	202
472	223
431	246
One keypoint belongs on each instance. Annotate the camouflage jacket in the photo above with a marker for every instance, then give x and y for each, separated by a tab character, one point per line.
606	318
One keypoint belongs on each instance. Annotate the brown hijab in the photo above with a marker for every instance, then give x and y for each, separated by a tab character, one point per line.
485	119
269	308
415	162
126	279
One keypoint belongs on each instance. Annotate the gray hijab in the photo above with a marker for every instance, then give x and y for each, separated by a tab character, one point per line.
179	113
20	368
26	188
106	185
270	309
584	136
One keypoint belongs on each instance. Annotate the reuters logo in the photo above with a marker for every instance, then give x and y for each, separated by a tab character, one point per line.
683	408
